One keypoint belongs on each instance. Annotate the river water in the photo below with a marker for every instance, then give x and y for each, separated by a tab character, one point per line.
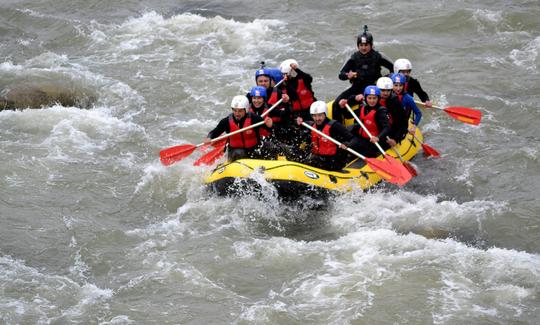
94	230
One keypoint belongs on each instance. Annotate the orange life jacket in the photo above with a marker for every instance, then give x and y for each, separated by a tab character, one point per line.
305	97
273	97
247	139
369	122
322	146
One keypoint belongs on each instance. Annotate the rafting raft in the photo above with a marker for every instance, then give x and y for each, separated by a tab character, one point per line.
293	180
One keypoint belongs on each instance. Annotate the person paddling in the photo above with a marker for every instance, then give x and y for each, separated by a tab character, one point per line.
362	69
244	144
397	117
411	85
375	118
324	153
406	100
271	142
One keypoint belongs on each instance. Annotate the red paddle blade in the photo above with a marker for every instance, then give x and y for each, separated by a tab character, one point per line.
404	173
410	168
429	151
210	157
216	144
465	114
173	154
389	171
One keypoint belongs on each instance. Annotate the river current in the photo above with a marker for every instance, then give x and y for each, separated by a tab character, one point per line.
94	230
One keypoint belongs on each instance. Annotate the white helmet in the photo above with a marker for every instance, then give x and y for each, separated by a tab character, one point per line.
285	67
402	64
318	107
385	83
240	102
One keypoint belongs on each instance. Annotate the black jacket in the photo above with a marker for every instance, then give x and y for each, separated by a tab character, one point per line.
413	87
400	121
367	66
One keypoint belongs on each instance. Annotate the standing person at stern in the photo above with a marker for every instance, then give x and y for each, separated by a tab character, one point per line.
362	69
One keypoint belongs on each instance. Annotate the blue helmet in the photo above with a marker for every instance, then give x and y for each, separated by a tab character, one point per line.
398	78
275	73
262	72
372	90
258	91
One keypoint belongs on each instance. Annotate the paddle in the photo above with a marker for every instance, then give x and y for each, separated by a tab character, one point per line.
428	151
210	157
464	114
381	167
173	154
405	163
176	153
391	161
215	154
216	144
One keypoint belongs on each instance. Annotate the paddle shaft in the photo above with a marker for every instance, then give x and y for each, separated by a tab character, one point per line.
421	142
333	140
246	128
251	126
273	106
279	83
364	128
399	155
418	102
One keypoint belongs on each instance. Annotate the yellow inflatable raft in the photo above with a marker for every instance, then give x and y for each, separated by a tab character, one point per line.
293	180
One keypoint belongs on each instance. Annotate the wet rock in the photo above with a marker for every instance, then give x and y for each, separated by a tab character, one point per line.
38	95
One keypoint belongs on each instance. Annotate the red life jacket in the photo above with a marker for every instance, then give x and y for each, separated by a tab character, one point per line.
273	97
247	139
276	119
322	146
369	122
252	110
305	97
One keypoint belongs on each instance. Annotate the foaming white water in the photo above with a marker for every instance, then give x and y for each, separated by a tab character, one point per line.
118	320
527	57
347	275
487	19
465	166
213	38
219	50
71	134
171	253
48	298
411	212
75	75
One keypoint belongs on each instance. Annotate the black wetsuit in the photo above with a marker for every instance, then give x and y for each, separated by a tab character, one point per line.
400	121
413	87
368	68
